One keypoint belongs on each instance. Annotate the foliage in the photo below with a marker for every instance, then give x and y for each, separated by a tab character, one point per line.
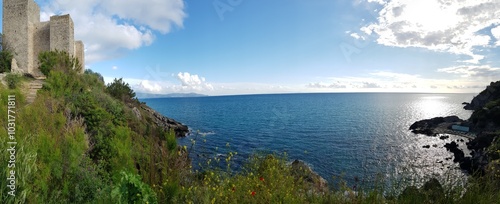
132	190
98	76
5	61
490	113
13	80
120	90
57	60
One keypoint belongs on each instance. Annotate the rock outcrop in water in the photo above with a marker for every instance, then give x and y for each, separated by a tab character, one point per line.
431	127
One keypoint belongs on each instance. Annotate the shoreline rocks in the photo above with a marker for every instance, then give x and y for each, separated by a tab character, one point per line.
434	126
301	169
166	123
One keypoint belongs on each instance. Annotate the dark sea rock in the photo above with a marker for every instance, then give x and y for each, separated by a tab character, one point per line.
457	152
428	126
444	137
477	164
166	123
426	146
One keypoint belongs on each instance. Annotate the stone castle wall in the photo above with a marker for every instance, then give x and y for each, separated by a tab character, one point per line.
62	34
79	53
42	38
26	36
15	29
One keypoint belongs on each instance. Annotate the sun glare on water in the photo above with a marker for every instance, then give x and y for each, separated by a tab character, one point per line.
432	106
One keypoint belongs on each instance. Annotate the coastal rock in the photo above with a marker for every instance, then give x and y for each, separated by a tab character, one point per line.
301	170
428	126
457	152
137	113
166	123
477	164
444	137
482	141
489	94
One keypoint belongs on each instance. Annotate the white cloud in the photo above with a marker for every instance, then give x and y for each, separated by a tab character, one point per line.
321	85
388	81
444	26
193	82
114	68
109	27
382	2
357	36
482	71
190	80
496	33
149	87
370	85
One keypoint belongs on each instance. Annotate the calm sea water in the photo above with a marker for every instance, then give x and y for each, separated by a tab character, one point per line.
350	135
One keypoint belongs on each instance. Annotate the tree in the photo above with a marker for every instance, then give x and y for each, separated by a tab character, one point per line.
120	90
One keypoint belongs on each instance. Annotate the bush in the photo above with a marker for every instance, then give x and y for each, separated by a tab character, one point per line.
120	90
5	61
132	190
95	74
57	60
13	80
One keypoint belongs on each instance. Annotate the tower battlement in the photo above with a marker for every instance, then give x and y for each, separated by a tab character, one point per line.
26	36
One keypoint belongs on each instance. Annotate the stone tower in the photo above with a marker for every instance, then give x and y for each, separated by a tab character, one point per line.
26	36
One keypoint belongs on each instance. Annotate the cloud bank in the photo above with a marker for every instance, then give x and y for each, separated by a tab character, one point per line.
185	83
454	26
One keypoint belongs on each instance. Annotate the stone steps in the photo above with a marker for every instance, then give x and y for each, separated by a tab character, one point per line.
34	86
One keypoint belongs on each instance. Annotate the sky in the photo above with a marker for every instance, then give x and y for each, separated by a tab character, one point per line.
226	47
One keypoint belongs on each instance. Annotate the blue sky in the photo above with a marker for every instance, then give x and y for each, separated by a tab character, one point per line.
221	47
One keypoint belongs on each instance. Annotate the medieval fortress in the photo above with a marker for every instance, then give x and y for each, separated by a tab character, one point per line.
26	36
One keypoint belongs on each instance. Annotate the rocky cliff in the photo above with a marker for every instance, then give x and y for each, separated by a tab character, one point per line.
166	123
491	93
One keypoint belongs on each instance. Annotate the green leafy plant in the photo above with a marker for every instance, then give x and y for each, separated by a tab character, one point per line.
57	60
5	61
13	80
132	190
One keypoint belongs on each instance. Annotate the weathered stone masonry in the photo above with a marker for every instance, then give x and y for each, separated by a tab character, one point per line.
26	36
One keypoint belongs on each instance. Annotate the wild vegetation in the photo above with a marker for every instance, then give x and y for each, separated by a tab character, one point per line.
81	141
6	56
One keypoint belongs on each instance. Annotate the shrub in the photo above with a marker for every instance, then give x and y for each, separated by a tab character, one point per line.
120	90
57	60
5	61
97	75
132	190
64	85
13	80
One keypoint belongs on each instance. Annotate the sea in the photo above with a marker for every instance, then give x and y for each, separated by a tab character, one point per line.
358	138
